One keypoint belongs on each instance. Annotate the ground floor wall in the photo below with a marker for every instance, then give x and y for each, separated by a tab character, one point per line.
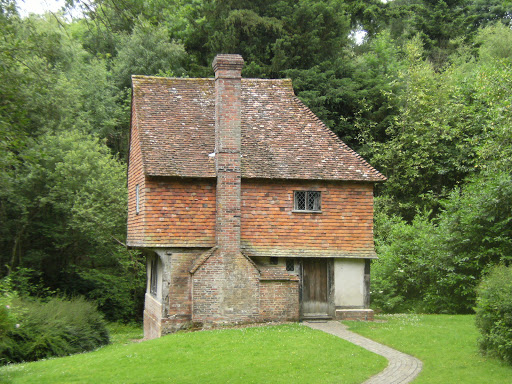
279	300
199	287
186	289
225	290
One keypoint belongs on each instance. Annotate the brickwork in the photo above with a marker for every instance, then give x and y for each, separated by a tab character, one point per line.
343	228
180	304
402	368
179	213
228	75
225	290
228	204
279	300
136	177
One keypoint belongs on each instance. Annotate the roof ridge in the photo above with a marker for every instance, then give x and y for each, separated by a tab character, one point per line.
171	78
282	80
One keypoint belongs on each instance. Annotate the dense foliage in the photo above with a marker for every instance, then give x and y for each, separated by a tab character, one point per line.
494	313
58	327
424	96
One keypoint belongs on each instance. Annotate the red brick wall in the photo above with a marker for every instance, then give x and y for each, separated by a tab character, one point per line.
279	300
228	104
135	234
344	228
225	291
179	213
228	203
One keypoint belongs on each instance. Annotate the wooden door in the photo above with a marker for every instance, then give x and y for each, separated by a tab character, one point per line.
315	290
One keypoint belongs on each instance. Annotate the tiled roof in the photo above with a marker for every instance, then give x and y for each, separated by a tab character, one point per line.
281	137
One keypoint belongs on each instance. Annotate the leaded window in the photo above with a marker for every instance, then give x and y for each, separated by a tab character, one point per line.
290	265
307	201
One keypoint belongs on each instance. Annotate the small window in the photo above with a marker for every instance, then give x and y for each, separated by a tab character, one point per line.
307	201
290	265
153	279
137	199
273	261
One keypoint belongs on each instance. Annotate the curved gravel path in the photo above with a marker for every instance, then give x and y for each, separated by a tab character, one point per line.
402	368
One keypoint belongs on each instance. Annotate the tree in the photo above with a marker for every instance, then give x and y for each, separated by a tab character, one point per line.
147	51
66	216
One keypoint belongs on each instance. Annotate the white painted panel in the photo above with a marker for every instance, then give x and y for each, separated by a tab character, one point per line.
349	282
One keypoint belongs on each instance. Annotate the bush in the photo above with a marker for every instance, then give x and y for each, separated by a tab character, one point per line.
56	328
8	315
412	272
494	313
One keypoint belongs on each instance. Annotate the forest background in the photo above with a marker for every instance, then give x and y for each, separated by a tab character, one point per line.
421	89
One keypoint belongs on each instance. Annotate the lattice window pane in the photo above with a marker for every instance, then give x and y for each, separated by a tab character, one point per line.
313	201
300	201
307	201
290	265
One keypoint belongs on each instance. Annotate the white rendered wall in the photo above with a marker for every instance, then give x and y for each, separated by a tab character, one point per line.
349	283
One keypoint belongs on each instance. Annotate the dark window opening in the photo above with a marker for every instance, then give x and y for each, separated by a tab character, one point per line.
273	260
307	201
153	281
290	265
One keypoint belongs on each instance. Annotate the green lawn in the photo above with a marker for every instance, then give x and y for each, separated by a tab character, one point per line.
446	344
289	353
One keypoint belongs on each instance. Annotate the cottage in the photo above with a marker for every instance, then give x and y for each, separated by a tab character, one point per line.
248	207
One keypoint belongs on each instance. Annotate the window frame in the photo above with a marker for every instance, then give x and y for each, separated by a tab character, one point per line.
306	197
290	264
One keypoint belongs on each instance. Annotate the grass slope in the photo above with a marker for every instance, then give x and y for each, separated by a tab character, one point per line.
276	354
446	344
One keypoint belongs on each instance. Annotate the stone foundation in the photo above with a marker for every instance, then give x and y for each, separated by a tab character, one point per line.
354	314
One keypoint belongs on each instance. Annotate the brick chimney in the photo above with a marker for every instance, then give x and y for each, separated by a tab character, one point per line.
228	105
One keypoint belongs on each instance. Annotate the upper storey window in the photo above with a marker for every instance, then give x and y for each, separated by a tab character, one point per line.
307	201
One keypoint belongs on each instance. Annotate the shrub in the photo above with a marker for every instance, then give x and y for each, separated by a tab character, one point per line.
411	272
8	315
494	313
58	327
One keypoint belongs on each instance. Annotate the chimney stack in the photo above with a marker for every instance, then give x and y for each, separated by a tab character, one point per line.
228	105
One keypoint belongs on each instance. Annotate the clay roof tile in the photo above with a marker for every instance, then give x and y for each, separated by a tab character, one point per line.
281	137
